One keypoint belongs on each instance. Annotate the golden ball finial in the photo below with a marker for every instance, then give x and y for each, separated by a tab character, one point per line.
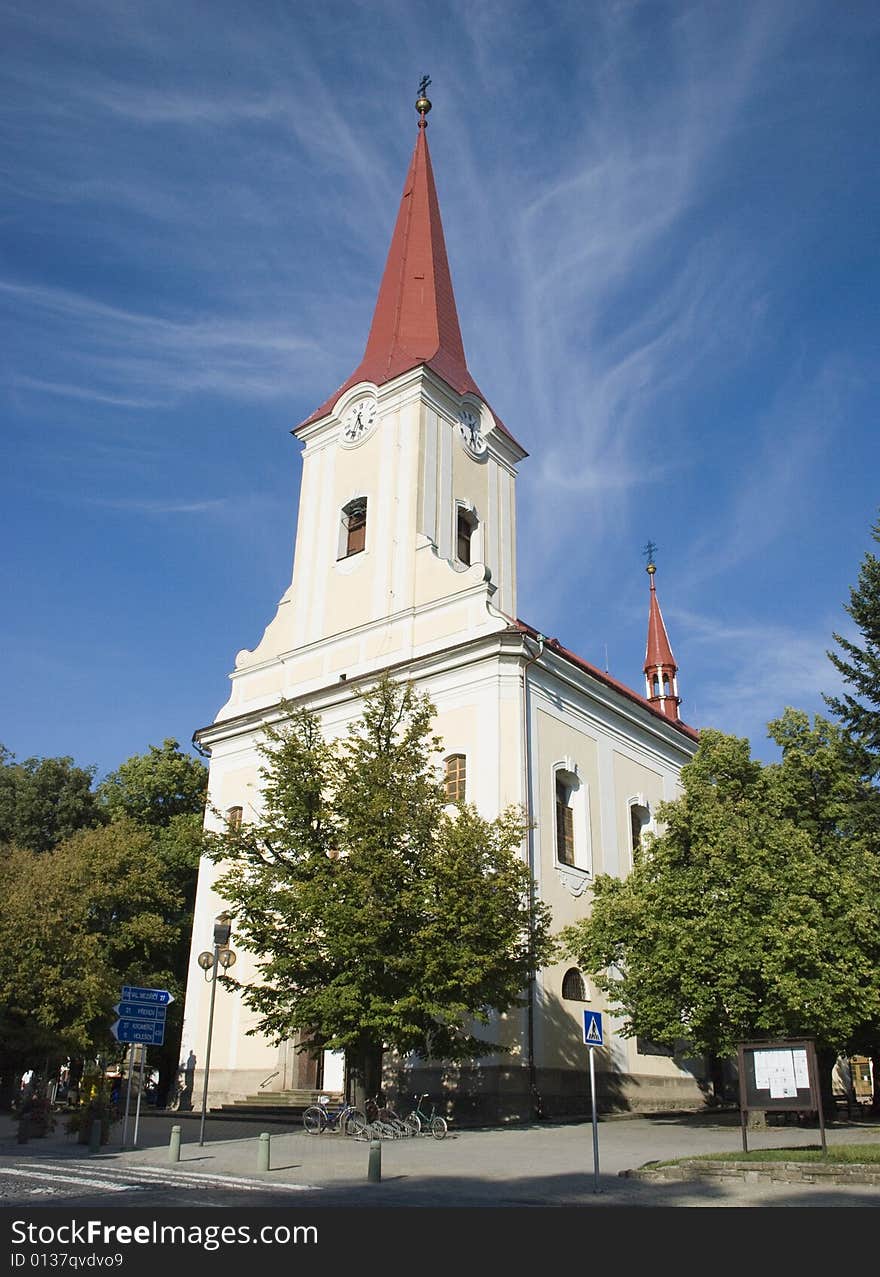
423	106
651	569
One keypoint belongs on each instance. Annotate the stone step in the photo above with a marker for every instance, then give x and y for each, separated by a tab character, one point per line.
294	1102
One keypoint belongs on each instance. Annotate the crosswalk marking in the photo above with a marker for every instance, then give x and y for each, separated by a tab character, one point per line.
144	1175
112	1186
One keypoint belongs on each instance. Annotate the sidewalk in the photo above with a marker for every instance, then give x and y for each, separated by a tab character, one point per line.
536	1165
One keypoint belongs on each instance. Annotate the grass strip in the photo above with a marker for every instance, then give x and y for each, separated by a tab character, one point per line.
838	1154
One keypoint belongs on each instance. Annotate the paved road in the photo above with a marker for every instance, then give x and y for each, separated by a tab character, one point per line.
535	1166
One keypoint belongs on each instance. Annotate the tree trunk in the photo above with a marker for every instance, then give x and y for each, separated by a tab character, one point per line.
716	1077
364	1075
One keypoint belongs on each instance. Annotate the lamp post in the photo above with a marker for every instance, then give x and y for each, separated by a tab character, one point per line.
208	961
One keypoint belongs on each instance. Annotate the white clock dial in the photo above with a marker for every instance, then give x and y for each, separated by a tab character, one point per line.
469	429
359	419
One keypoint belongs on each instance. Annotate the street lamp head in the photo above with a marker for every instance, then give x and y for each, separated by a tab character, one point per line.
222	929
206	960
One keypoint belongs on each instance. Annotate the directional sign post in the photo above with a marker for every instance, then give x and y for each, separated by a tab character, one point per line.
141	1021
594	1037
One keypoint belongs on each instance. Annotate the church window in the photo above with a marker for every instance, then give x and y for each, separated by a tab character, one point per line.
639	821
574	988
233	819
456	778
354	524
564	823
466	525
572	828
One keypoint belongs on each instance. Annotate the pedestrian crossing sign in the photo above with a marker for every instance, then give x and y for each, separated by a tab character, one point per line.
593	1028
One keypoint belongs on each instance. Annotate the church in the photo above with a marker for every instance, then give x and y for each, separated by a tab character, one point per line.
405	562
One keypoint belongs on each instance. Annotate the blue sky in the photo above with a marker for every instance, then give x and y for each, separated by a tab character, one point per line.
662	225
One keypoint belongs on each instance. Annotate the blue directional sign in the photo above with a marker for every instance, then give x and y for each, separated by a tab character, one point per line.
140	1011
150	1032
593	1028
156	997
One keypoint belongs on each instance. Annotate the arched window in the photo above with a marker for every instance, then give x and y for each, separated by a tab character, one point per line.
466	526
573	841
639	821
353	538
233	819
574	988
564	823
456	778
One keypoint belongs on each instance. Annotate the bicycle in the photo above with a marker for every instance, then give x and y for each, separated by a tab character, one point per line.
384	1123
432	1122
317	1119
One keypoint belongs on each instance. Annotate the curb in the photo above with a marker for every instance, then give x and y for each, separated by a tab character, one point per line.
757	1172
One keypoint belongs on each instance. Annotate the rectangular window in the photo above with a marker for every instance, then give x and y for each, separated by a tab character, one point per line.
233	819
564	824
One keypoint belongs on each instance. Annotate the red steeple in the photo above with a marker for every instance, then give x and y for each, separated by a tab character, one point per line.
415	321
661	684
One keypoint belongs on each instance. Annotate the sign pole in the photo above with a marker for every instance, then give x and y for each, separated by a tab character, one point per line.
127	1097
593	1037
137	1112
595	1121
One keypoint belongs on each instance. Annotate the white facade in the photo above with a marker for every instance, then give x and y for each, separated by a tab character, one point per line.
427	464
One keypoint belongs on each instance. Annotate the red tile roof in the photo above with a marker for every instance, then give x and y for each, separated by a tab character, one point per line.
555	646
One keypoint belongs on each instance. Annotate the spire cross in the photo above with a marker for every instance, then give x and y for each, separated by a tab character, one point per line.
423	106
649	551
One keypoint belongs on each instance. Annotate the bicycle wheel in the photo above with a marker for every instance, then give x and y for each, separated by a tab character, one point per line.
314	1120
412	1124
439	1128
355	1123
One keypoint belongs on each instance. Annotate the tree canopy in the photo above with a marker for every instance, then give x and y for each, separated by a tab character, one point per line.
82	913
859	663
75	923
378	917
155	787
754	913
44	800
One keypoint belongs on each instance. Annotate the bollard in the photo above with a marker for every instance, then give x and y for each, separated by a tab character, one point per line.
95	1135
374	1170
263	1152
174	1146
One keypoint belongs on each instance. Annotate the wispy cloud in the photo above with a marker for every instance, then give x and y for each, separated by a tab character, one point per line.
137	505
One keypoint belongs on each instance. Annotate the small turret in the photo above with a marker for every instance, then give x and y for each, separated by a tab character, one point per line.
661	682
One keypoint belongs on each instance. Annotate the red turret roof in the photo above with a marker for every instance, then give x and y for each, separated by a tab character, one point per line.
415	321
658	651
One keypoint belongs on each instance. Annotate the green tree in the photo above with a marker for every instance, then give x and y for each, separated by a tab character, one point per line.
163	792
153	788
378	919
75	923
44	800
859	711
754	912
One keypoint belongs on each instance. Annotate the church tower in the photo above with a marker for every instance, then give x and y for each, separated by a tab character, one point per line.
405	563
407	520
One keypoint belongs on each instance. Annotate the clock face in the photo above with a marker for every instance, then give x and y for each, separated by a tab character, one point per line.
359	420
469	429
